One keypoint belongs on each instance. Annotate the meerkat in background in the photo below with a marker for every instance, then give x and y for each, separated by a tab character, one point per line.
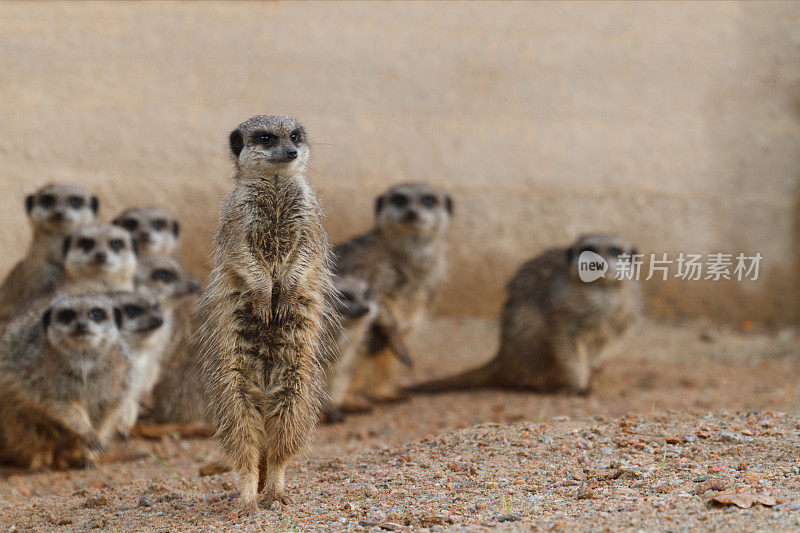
404	260
98	258
140	320
53	211
166	279
355	302
267	308
154	229
63	370
555	327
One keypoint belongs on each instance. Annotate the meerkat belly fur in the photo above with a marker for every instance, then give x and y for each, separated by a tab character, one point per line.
555	328
404	259
267	308
63	374
53	212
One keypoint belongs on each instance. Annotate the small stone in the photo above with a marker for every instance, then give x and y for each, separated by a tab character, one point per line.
96	500
727	436
508	518
370	491
145	501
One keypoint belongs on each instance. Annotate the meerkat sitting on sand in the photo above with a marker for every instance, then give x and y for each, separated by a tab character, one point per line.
154	229
266	306
63	370
404	260
53	212
555	328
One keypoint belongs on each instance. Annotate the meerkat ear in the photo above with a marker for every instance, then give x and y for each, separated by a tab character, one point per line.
448	204
65	245
29	203
379	203
118	317
176	227
46	318
236	141
94	203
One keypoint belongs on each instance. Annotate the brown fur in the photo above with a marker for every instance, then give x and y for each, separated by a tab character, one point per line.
266	309
555	327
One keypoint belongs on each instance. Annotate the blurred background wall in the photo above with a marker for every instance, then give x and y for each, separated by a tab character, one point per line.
677	125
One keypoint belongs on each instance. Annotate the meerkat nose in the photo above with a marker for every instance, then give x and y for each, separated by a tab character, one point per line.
100	257
145	236
291	153
58	216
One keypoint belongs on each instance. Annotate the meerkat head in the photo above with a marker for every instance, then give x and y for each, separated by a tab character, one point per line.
81	328
414	210
100	252
609	247
273	144
140	316
354	299
166	278
155	230
58	209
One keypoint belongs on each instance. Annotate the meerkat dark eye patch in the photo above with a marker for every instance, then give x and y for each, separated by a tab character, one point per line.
76	202
133	310
65	316
264	138
429	200
47	200
159	224
398	200
116	244
615	251
129	224
164	275
98	315
85	244
296	136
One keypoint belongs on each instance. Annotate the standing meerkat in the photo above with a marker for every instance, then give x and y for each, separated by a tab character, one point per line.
53	212
98	258
266	304
155	230
555	327
404	260
63	370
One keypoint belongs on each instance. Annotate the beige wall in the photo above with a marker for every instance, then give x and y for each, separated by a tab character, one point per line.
675	124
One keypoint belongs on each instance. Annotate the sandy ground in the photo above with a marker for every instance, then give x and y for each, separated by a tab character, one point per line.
681	413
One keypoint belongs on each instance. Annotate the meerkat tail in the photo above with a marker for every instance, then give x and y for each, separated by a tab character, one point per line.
487	375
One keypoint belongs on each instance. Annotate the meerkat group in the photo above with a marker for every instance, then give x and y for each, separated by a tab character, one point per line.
100	327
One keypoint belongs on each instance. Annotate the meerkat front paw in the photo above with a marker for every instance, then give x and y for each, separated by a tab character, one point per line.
246	507
283	308
280	497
